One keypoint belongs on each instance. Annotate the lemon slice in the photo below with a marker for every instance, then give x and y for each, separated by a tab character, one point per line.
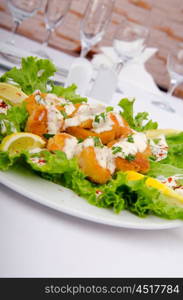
11	93
152	182
157	132
17	142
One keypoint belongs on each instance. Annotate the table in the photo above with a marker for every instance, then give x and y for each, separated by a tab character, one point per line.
36	241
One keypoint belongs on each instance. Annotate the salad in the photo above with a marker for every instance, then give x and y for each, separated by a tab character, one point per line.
109	156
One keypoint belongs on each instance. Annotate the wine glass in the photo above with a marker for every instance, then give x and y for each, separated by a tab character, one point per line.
129	42
55	11
175	70
94	24
21	10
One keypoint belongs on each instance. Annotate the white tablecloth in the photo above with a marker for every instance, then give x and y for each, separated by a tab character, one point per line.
38	241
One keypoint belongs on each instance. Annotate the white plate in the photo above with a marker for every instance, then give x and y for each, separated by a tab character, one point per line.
64	200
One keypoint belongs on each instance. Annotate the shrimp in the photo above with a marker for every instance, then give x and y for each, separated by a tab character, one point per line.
91	168
82	133
120	126
140	163
58	141
64	142
31	103
37	121
106	136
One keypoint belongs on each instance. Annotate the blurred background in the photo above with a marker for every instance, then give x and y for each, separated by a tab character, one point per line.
164	18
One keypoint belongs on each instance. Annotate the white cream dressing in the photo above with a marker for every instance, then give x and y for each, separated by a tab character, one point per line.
2	127
139	145
49	99
52	98
55	119
38	98
38	161
103	155
69	108
13	129
140	141
83	113
70	147
37	92
160	150
36	150
104	124
119	118
97	108
172	182
105	158
89	142
3	124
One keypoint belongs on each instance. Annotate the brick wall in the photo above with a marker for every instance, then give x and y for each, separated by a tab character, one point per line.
163	17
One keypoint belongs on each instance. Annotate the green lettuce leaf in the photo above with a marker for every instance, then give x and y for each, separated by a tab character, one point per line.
136	122
5	161
143	200
57	168
175	151
68	93
33	74
167	170
118	194
13	121
175	139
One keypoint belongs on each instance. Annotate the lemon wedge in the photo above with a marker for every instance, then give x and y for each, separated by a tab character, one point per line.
11	93
157	132
152	182
17	142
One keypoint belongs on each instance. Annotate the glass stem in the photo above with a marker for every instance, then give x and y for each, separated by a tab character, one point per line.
173	85
84	51
48	34
16	24
119	66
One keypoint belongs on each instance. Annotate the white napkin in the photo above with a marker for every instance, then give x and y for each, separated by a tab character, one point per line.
133	73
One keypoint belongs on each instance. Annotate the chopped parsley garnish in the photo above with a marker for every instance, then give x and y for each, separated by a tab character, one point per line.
156	141
130	157
80	141
116	149
109	108
130	139
97	142
64	114
153	158
100	116
48	135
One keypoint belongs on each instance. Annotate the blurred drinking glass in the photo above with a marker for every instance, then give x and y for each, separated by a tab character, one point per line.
21	10
175	70
94	24
129	42
55	11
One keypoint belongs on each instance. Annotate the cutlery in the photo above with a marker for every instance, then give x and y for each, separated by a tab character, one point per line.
4	67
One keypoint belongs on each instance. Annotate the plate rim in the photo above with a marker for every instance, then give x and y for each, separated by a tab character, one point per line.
38	198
